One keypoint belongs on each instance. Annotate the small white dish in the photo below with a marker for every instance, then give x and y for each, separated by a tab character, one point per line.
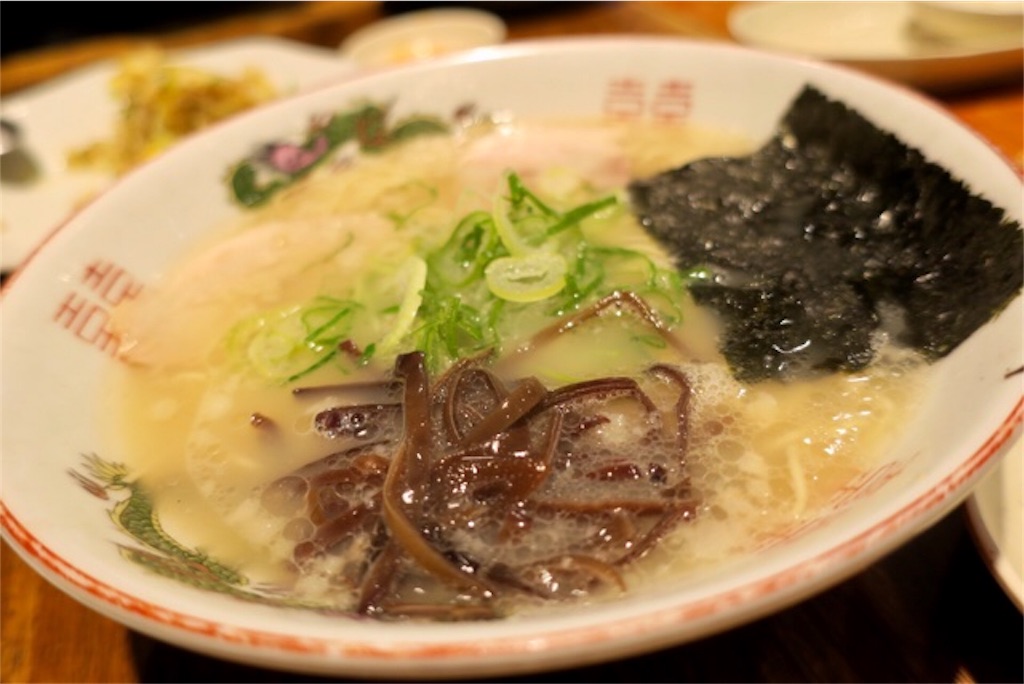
996	513
884	38
76	109
415	36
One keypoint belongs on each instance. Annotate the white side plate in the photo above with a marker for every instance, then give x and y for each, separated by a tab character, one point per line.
877	37
75	109
997	516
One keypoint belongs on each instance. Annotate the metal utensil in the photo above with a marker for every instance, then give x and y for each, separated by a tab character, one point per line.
16	162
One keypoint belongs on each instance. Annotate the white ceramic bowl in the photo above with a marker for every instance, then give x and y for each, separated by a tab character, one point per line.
55	354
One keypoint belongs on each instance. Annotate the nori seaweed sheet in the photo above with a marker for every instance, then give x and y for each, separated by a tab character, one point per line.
819	236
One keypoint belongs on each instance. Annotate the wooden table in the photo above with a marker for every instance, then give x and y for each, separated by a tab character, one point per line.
929	612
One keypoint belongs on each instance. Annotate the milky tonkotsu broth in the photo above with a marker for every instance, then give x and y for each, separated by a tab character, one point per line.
761	456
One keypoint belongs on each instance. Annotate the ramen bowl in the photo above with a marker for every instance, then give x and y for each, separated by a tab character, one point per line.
72	507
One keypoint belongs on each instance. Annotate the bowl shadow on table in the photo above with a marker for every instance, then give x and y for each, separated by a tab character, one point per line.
930	611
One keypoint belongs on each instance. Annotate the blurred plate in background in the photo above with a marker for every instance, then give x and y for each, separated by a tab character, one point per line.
74	110
997	518
912	42
428	33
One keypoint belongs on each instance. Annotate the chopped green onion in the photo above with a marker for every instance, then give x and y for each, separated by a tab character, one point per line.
472	245
290	343
415	272
528	278
574	216
498	270
508	231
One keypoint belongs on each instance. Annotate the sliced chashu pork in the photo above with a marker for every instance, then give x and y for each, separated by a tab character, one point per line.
178	321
